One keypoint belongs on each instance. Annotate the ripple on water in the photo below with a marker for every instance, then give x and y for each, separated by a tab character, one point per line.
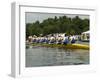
44	56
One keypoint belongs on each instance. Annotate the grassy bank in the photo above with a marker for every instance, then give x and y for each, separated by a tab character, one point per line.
68	46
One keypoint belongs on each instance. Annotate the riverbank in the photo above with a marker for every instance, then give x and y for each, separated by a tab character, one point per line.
67	46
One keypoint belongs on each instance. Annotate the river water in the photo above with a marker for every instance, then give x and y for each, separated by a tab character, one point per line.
37	56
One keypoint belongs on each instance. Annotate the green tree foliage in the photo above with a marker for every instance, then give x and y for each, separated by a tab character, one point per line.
63	24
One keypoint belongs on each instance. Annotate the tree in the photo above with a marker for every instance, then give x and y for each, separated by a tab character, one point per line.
63	24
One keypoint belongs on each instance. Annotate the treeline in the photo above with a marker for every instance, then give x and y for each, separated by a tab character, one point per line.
63	24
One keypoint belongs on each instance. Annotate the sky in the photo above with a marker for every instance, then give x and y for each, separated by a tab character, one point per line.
31	17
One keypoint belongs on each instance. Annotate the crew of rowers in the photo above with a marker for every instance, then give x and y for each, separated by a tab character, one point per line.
53	39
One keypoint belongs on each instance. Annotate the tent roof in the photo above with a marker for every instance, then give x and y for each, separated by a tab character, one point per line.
86	32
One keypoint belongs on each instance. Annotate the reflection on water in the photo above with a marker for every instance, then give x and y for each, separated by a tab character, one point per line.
42	56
